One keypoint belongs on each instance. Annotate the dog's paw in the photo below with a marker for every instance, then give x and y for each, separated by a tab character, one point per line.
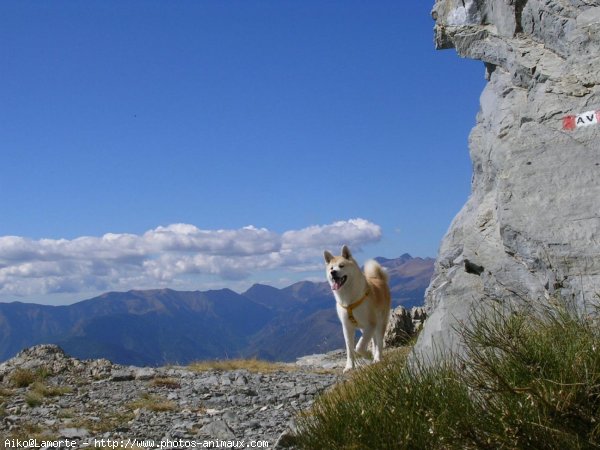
347	369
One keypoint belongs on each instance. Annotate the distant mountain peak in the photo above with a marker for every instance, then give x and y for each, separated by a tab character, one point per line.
158	326
403	257
257	287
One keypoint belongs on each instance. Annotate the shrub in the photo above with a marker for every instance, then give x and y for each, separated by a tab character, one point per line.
528	379
537	375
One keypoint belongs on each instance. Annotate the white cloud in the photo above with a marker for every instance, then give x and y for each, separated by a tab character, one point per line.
167	256
183	237
353	232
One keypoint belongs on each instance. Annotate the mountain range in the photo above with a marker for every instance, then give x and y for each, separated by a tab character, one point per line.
158	327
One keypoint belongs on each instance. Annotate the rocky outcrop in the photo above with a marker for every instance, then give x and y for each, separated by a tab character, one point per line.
333	360
531	227
48	395
403	325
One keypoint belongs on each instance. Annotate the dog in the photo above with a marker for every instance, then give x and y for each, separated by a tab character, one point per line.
363	301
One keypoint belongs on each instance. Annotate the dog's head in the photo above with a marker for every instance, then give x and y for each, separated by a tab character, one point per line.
340	269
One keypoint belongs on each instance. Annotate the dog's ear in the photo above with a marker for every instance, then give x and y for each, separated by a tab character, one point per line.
346	252
328	256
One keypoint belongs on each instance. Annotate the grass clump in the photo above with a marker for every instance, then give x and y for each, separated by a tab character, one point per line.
153	403
21	378
166	382
5	393
38	392
387	405
46	391
29	431
108	422
66	413
251	365
528	380
33	399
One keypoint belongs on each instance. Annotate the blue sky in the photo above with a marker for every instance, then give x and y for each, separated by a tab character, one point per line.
203	144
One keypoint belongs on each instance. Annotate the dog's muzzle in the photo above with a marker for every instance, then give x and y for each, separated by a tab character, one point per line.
338	281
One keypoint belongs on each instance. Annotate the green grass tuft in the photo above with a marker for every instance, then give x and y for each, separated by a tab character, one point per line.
528	381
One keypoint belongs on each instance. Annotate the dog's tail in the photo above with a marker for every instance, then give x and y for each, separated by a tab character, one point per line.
374	270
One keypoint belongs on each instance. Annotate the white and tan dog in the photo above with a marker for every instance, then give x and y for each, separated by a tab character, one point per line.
362	301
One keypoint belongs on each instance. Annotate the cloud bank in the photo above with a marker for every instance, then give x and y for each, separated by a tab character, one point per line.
166	256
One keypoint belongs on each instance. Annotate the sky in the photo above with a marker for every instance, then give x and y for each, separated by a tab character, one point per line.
207	144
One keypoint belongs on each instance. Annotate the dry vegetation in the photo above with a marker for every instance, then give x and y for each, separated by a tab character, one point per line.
166	382
251	365
153	402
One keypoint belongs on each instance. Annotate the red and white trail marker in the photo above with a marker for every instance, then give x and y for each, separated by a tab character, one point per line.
581	120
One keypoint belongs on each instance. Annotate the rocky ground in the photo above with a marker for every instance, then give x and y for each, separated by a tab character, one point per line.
56	400
49	399
49	396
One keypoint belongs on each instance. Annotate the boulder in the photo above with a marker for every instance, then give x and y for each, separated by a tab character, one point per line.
403	325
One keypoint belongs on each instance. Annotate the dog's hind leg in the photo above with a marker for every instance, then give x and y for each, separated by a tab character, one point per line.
363	342
378	343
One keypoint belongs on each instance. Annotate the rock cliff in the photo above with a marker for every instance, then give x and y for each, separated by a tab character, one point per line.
530	229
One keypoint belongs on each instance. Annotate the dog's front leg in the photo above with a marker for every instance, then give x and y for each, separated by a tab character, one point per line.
349	332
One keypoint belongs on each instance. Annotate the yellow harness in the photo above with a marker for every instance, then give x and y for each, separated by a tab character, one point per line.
354	305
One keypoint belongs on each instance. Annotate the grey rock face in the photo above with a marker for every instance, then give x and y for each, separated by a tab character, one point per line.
531	227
